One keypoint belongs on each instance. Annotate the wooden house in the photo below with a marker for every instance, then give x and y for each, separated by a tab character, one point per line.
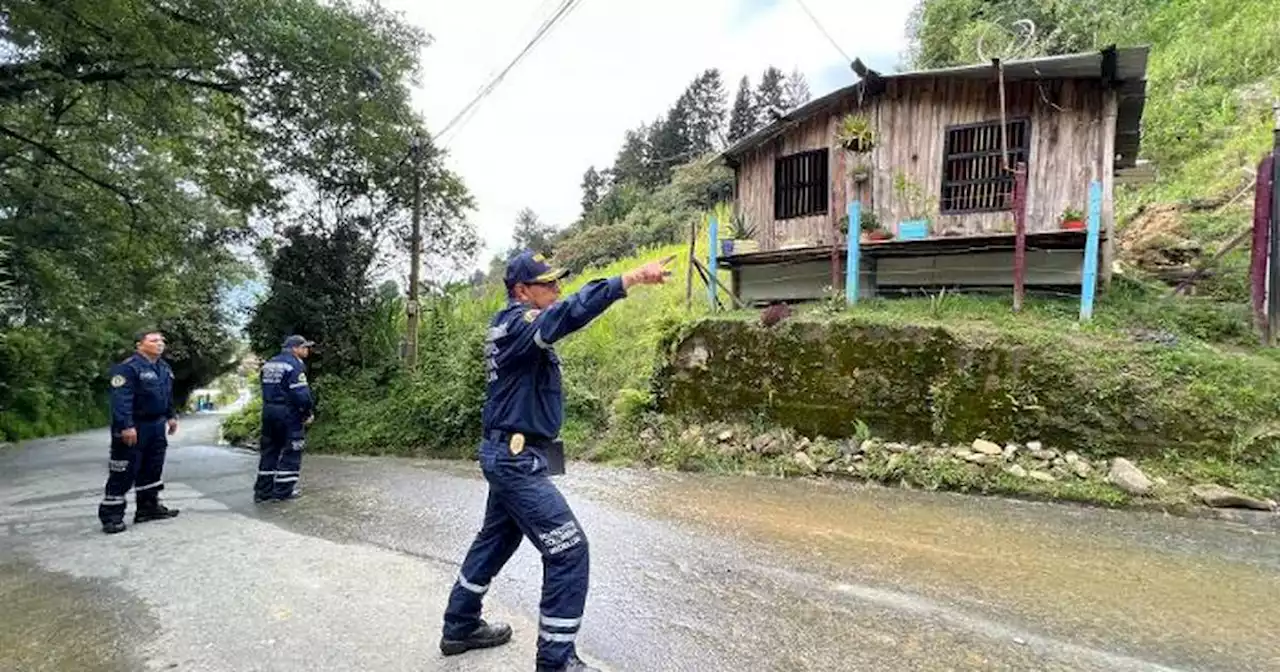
923	153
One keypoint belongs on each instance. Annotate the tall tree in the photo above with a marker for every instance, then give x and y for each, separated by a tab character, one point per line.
771	100
532	234
593	184
632	161
742	121
705	102
796	89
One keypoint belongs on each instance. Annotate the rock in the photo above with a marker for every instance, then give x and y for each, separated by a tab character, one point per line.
1034	446
806	462
869	445
1058	461
725	435
1010	449
850	448
986	447
1042	476
1081	468
1016	470
803	444
894	461
763	443
1158	480
1126	476
960	452
980	458
1221	497
1071	457
897	447
1043	455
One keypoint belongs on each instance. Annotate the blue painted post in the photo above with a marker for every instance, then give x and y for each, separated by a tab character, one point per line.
855	253
1089	281
713	235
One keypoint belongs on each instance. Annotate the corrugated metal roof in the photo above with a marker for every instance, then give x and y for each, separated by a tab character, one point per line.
1131	75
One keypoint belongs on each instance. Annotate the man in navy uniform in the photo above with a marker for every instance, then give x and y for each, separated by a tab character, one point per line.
522	415
286	412
141	412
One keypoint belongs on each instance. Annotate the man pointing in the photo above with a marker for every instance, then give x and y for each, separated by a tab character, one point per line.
522	415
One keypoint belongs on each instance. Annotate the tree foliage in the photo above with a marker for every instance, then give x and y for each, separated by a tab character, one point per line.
145	145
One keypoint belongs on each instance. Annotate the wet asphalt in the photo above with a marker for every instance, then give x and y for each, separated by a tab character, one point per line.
689	572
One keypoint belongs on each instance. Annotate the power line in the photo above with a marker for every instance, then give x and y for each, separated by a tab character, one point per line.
565	7
817	23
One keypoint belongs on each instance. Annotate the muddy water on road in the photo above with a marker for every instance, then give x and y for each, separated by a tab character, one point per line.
1172	589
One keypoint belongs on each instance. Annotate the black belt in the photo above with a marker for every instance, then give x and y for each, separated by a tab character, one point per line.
504	437
149	418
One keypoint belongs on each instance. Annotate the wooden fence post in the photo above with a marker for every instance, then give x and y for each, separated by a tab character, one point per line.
1089	276
1019	236
852	268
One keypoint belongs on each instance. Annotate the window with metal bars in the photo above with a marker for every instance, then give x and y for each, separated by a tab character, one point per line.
973	176
800	185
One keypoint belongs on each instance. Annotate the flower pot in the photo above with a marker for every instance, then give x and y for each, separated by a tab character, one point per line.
913	229
726	246
1073	225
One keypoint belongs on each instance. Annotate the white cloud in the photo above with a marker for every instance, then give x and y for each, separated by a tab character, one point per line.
605	68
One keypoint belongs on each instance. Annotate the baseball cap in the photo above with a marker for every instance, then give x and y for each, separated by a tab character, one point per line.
529	268
297	341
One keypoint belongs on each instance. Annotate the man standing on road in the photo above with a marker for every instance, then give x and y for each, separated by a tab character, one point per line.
141	410
522	415
286	412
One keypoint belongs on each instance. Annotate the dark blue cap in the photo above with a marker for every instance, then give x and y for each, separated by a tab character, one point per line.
297	341
530	268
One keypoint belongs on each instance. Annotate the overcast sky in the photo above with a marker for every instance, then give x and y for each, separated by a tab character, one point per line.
606	67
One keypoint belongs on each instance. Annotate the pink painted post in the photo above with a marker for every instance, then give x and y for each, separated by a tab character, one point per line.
1261	244
1020	236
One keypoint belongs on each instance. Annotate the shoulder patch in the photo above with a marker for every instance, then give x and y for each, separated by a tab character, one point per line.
117	380
531	315
302	377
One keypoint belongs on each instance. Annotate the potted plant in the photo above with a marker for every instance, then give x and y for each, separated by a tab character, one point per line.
911	198
860	174
1073	220
854	133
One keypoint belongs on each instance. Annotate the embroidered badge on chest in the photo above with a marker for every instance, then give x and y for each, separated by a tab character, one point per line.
531	315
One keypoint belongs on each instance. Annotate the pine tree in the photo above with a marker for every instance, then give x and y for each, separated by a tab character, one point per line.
796	89
532	234
742	121
592	189
632	161
705	108
771	101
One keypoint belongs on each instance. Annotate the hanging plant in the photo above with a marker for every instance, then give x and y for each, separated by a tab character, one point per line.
854	133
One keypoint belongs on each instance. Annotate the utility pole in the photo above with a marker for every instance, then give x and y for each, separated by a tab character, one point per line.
411	351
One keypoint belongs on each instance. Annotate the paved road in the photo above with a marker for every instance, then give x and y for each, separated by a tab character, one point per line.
690	572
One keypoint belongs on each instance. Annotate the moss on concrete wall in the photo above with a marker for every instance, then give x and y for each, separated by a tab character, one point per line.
956	382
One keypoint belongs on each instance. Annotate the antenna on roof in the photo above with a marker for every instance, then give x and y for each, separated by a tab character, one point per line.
1010	50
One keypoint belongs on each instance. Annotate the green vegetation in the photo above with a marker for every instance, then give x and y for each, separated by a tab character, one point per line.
138	140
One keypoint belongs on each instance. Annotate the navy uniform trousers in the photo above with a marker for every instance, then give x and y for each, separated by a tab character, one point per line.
280	452
524	503
139	467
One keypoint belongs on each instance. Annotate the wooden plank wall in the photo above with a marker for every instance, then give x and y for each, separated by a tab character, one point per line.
1069	135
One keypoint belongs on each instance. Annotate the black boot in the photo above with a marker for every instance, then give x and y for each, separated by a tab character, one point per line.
154	512
483	637
114	527
574	664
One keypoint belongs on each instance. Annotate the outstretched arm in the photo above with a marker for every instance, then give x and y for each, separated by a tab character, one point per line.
578	309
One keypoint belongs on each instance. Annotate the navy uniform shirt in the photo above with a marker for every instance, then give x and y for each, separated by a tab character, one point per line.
141	391
523	393
284	382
